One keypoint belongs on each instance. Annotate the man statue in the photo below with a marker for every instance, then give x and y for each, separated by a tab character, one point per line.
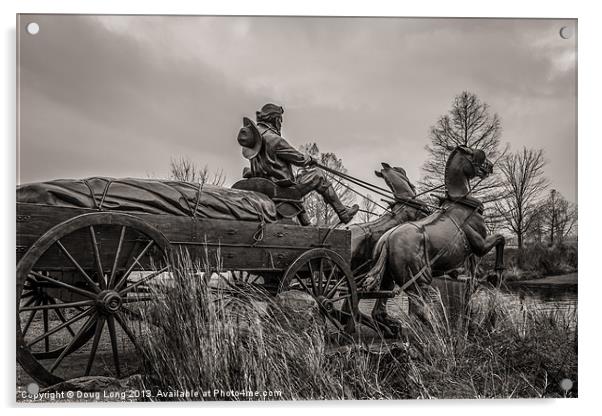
271	157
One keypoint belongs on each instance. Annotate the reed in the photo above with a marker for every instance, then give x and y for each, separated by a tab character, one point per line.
241	340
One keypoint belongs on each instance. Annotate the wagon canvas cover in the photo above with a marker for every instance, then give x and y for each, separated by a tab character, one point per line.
151	196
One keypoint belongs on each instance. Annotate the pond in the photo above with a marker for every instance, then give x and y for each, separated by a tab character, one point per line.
544	297
553	297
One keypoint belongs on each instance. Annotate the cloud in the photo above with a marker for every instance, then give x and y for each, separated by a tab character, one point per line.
120	95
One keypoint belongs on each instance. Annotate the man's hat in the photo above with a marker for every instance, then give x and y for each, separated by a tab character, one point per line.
249	138
270	109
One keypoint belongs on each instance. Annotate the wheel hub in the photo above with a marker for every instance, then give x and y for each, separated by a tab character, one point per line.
325	303
109	301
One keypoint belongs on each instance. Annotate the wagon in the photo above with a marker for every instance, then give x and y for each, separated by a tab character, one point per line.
81	272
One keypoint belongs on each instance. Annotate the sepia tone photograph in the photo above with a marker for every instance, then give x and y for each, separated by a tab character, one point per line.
237	208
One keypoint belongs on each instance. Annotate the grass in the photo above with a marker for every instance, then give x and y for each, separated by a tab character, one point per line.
209	340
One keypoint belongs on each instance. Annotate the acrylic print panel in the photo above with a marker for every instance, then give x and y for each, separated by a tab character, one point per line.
283	208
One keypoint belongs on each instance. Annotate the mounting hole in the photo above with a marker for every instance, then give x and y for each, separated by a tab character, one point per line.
566	384
566	32
33	28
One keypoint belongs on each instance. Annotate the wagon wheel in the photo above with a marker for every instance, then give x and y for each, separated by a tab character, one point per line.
243	276
82	280
326	276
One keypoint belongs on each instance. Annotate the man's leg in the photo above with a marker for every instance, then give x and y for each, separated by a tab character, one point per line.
314	180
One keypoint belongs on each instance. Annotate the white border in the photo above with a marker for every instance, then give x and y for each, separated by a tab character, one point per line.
589	207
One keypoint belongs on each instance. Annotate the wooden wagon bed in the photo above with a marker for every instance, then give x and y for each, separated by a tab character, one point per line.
249	246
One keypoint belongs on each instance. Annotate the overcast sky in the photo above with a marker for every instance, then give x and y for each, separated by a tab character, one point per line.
121	95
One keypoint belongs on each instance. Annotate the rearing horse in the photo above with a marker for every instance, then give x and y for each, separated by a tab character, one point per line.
412	253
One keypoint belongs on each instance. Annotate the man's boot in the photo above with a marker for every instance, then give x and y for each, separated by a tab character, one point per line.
345	213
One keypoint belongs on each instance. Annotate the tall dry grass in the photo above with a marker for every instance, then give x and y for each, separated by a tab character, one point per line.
499	351
241	340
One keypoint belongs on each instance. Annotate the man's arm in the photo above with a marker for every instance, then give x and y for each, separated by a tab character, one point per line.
287	152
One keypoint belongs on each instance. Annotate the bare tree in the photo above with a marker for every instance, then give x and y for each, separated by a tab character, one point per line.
523	184
183	169
468	123
369	209
318	210
537	229
559	217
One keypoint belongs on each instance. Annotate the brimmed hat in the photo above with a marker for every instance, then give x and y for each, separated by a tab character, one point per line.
270	109
249	138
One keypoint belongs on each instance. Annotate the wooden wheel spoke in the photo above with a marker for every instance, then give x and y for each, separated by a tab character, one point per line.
143	280
75	339
99	270
345	316
113	336
28	303
321	274
123	279
128	331
311	278
55	305
91	282
46	339
61	317
335	287
330	276
30	318
339	314
99	327
61	326
82	292
117	254
338	298
303	285
338	325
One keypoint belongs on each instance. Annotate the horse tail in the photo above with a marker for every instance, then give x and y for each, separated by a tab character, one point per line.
380	254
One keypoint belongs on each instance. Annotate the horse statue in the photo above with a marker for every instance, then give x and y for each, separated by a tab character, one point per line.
410	254
404	208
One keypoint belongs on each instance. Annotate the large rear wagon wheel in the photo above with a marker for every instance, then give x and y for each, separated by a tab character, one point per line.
80	290
326	276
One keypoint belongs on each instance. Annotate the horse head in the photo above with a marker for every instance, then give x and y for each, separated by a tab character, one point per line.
464	164
397	180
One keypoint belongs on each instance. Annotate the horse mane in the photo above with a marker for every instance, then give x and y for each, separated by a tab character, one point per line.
451	157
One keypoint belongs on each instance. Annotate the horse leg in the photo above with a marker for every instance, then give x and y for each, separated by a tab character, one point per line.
379	312
482	245
424	300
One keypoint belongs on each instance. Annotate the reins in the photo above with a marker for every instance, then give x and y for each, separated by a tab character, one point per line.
412	202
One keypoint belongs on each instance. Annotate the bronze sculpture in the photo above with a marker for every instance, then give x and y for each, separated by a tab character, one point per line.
410	254
404	208
272	157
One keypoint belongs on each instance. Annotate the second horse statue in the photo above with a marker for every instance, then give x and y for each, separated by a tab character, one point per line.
410	254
